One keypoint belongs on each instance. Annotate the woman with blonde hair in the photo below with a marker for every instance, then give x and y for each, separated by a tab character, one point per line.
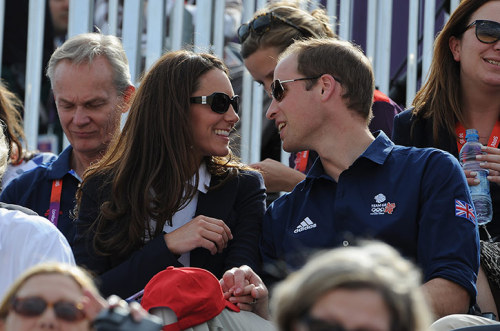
271	30
371	287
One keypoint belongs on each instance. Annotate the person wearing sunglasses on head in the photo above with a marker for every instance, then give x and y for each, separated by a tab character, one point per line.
362	185
58	296
270	32
170	192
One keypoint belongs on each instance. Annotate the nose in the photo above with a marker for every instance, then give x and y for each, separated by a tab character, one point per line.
48	320
80	117
231	116
272	110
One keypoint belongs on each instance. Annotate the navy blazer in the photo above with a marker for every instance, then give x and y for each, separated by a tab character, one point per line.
240	203
410	130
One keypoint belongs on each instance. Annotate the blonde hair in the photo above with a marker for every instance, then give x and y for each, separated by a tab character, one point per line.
316	23
79	275
373	265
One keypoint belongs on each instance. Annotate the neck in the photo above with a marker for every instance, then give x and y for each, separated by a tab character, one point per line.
80	162
481	113
340	152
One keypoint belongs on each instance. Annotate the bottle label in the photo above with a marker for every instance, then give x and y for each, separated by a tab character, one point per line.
484	185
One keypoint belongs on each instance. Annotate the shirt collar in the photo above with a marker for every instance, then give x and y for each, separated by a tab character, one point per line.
204	178
377	152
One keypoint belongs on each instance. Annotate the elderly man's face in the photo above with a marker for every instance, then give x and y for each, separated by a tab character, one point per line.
88	104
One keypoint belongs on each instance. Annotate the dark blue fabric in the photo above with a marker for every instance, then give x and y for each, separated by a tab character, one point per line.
421	183
410	130
32	190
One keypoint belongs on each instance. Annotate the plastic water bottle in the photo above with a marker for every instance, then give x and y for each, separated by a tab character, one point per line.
480	193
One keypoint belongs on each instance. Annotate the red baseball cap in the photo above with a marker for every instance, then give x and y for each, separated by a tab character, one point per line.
194	295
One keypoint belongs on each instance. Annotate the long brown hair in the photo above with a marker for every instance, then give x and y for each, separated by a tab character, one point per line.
10	114
440	97
151	163
281	35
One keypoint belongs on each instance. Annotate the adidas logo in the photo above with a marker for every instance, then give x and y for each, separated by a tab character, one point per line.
306	224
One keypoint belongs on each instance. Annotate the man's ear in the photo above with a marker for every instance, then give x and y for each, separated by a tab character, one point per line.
127	98
328	86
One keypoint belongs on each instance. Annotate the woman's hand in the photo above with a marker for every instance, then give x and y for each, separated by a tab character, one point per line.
277	176
243	287
490	161
202	231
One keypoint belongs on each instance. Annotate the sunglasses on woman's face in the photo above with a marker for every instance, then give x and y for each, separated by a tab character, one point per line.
262	23
487	32
35	306
219	102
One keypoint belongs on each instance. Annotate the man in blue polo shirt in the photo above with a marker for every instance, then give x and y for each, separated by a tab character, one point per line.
364	186
90	78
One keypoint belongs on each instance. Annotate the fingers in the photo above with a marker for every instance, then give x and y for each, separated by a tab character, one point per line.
93	303
207	232
137	312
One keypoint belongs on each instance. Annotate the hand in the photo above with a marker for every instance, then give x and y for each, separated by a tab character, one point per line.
490	161
201	231
277	176
93	303
243	287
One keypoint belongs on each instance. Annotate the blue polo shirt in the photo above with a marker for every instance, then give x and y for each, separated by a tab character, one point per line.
33	188
404	196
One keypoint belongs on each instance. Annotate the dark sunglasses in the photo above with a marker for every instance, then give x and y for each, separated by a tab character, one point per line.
278	91
262	23
314	324
35	306
219	102
487	32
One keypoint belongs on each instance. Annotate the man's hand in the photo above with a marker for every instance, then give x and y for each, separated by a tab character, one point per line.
243	287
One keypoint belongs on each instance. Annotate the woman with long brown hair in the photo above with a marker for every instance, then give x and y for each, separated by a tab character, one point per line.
169	191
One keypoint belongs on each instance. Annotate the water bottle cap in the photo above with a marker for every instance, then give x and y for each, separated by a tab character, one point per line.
471	133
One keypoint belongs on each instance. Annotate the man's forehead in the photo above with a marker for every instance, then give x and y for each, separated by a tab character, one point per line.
286	65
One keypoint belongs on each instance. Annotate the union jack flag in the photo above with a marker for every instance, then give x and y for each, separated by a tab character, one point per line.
463	209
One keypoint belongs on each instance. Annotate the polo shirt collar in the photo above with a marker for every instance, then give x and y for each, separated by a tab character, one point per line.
377	152
60	166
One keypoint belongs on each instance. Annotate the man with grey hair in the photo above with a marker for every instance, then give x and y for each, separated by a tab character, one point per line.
90	78
26	239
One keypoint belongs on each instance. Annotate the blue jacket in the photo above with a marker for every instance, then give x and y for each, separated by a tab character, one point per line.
406	197
32	190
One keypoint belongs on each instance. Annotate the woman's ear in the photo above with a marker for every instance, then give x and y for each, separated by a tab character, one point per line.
454	44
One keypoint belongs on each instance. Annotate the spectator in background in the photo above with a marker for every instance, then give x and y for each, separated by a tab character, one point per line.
91	82
57	296
26	239
15	41
268	34
59	13
463	92
364	186
370	287
20	160
169	192
465	61
353	288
